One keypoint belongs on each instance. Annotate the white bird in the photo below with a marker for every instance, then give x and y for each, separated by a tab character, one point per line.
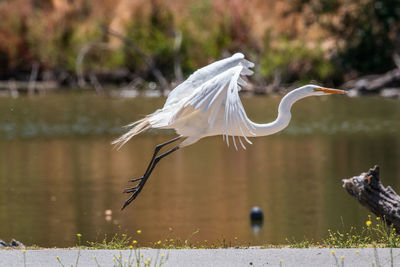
208	104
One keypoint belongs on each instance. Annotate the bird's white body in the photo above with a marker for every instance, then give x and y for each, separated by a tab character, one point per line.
208	104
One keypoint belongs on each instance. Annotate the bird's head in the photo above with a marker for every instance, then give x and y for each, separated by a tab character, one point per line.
318	90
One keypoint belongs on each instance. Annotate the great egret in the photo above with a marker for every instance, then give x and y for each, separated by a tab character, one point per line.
208	104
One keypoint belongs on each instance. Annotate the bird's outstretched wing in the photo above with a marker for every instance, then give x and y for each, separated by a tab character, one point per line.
203	75
221	95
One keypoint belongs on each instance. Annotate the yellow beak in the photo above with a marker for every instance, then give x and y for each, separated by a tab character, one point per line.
330	90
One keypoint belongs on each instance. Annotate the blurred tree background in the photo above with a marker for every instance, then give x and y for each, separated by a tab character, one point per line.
330	41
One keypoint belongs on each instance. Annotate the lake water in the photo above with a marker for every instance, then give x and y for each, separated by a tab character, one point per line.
59	173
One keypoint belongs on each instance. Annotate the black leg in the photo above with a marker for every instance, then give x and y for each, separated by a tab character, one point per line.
156	150
153	162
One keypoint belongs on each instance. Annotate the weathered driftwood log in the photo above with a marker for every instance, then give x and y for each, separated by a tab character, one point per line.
372	84
383	202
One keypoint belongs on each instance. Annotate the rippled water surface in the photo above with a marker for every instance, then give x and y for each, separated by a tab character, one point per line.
59	174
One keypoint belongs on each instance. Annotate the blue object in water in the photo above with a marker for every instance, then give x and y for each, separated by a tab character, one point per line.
256	214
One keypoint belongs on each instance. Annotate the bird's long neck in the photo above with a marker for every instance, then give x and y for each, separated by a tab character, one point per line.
283	118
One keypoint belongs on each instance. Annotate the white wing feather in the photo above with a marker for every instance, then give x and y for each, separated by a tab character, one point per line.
223	91
214	89
235	115
203	75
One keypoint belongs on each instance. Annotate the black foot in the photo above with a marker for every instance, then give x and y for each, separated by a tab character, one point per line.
131	190
136	179
135	190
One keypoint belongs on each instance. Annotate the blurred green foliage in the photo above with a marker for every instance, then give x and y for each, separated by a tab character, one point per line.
367	32
154	36
293	60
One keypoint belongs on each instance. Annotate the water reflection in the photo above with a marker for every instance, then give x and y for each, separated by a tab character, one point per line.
63	177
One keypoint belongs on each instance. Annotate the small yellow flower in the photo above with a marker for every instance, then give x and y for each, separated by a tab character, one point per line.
24	250
113	258
139	231
149	260
357	251
332	252
342	257
94	256
131	247
158	242
58	257
368	223
377	225
378	218
134	242
78	235
162	255
119	256
280	260
123	235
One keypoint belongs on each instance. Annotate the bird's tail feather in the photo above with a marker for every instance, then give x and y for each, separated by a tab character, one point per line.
135	128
